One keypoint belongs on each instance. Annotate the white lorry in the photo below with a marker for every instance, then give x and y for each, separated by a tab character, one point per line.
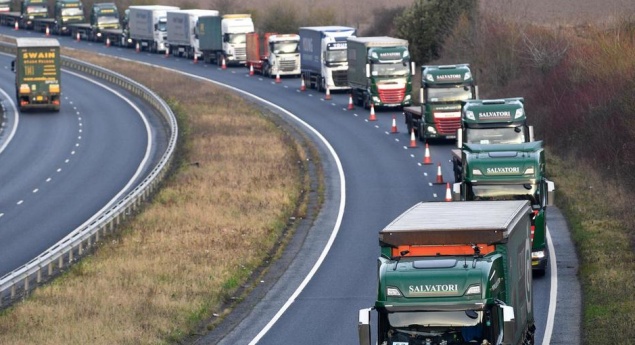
225	38
323	56
183	39
147	26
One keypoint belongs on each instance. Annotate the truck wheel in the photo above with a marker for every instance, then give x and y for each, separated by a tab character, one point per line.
421	133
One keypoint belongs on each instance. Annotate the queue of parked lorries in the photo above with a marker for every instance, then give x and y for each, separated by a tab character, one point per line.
449	273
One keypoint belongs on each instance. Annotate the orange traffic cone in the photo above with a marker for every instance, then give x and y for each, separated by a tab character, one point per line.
439	175
413	141
195	58
350	102
167	52
223	65
16	26
393	129
137	48
372	113
426	156
251	69
302	85
278	80
107	41
448	192
47	32
327	96
78	37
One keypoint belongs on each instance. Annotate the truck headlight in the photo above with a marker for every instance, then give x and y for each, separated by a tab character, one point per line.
477	172
470	115
432	130
408	97
474	290
538	255
519	113
429	77
393	292
468	75
529	171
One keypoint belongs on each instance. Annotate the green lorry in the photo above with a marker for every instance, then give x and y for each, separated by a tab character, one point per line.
379	71
65	12
37	73
28	10
510	172
443	88
495	121
454	273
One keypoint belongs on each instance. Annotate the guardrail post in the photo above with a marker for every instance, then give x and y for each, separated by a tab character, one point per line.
70	256
50	266
39	275
81	248
26	284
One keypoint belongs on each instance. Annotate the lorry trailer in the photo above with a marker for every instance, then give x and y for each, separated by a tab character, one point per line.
147	26
323	56
183	37
454	273
37	73
379	71
443	88
28	11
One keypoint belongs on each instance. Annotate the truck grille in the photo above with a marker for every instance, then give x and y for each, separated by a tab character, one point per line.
288	65
448	126
241	53
340	78
392	96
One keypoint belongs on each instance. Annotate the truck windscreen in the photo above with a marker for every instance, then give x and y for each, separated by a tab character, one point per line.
390	70
238	38
285	47
36	9
448	94
335	56
506	192
72	12
108	20
506	135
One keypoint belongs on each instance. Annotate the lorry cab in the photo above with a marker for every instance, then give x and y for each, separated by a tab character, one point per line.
496	121
67	12
31	9
105	16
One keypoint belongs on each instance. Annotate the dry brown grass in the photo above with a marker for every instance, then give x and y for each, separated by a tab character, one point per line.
210	226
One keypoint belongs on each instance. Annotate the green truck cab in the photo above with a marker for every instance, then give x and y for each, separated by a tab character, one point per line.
379	71
454	273
510	172
32	9
443	89
37	73
67	12
495	121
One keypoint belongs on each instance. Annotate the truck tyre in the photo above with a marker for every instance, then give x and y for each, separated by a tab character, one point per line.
421	133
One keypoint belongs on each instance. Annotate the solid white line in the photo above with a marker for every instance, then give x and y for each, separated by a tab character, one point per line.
553	293
9	99
340	214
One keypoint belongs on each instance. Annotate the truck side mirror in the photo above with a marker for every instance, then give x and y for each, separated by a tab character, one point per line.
531	133
459	138
456	191
363	327
551	192
367	70
509	323
226	38
12	65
